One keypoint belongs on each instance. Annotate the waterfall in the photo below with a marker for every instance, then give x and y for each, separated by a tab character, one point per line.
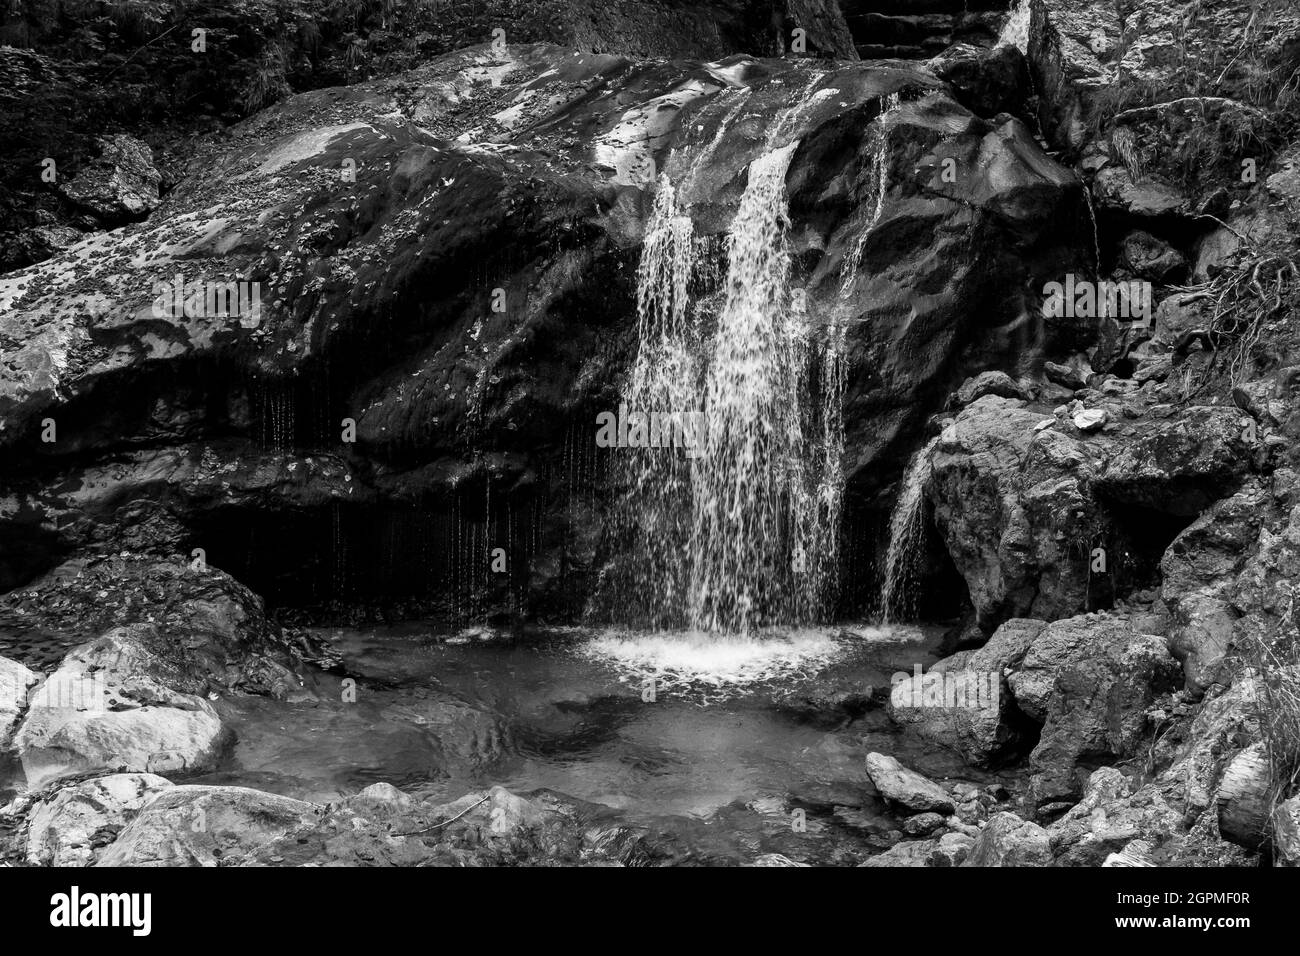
1015	31
664	377
743	533
751	511
889	105
906	534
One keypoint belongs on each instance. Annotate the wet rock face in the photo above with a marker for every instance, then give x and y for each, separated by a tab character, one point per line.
469	352
205	630
907	350
59	109
985	81
112	707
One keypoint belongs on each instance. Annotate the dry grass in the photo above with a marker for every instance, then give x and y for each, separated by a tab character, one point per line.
1275	663
1255	69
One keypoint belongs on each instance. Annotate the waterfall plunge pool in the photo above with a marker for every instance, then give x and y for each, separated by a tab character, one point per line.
737	735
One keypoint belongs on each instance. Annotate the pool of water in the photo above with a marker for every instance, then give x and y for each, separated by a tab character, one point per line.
715	745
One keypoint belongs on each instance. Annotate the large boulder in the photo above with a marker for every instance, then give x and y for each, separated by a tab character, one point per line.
984	726
120	185
1090	681
1149	257
210	632
15	682
907	789
1007	840
335	212
988	383
1009	499
76	824
205	826
1199	573
110	707
1181	466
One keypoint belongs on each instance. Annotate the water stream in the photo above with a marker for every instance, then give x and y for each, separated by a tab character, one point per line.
753	527
1015	31
906	537
742	533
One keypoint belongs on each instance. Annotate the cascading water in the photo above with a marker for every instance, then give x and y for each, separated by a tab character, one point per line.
664	378
889	106
830	491
1015	31
906	535
743	534
751	513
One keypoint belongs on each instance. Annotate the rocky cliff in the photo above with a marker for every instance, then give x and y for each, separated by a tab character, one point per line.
345	346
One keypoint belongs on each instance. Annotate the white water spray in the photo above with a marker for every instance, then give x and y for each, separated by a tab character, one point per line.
906	534
664	378
889	106
1015	31
745	535
750	507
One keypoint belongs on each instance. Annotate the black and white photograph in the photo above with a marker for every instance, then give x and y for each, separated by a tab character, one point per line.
651	434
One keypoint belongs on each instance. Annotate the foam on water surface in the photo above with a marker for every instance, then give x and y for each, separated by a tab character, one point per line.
710	660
